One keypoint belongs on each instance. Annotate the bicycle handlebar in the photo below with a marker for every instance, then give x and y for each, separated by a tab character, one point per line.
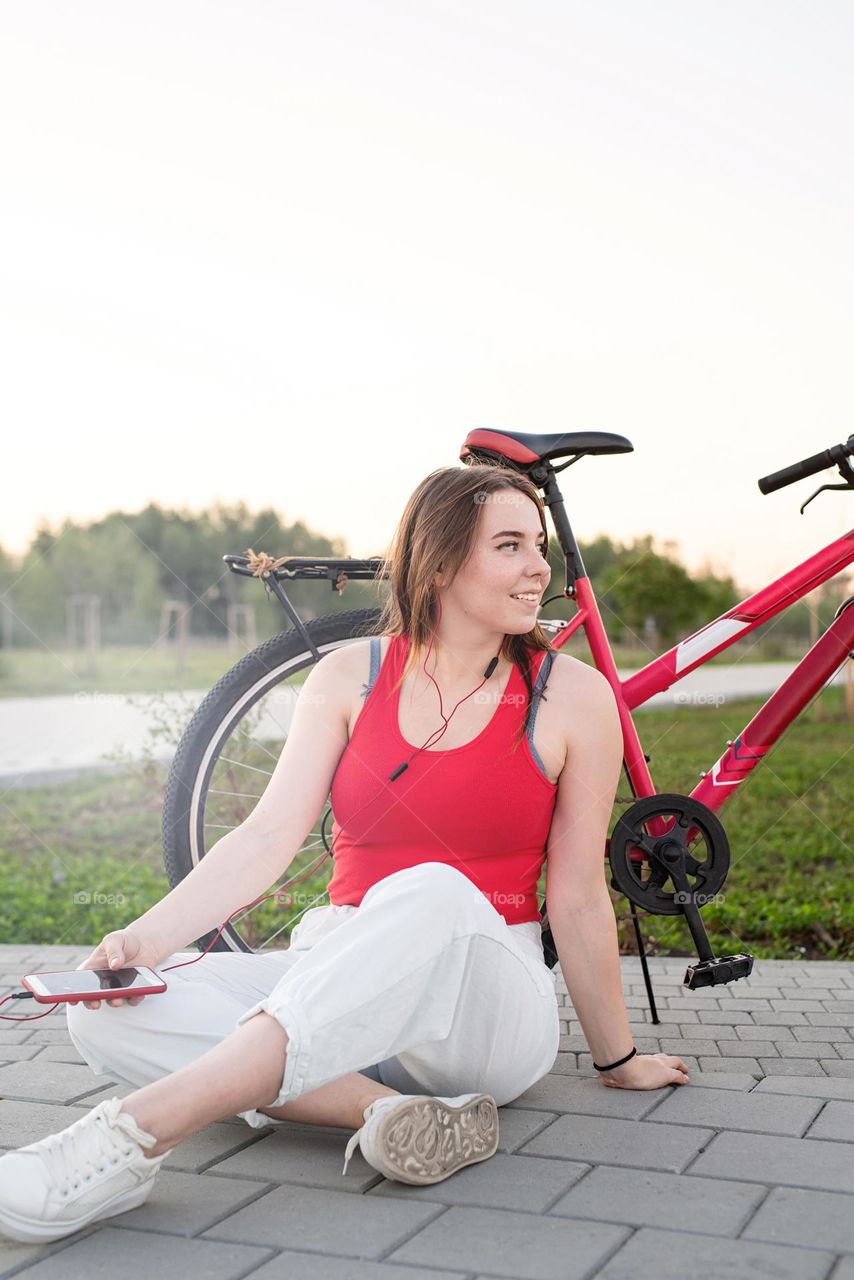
837	453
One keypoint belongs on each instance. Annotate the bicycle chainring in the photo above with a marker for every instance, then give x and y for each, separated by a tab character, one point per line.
687	840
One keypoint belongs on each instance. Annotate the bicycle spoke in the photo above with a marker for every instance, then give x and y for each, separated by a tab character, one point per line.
243	765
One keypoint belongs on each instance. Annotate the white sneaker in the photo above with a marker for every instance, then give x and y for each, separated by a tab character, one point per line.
93	1169
418	1139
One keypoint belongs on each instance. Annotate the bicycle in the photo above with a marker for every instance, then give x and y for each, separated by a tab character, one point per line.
668	853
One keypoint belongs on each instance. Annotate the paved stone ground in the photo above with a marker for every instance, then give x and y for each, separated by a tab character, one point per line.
748	1171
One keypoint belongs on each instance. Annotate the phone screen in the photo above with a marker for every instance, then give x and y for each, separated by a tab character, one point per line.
95	980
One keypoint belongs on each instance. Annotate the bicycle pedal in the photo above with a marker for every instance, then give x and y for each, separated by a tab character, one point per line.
712	973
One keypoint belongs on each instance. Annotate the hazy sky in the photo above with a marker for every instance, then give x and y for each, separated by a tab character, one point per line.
293	253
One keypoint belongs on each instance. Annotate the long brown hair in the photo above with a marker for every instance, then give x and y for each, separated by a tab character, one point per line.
437	532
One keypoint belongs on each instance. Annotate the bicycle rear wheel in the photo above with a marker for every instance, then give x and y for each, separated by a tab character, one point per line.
224	762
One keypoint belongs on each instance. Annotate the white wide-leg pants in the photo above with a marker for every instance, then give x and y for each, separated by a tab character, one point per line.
423	987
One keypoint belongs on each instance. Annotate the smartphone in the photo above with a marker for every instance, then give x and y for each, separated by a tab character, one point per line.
93	984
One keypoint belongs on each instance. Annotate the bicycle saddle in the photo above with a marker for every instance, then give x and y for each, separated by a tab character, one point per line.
522	449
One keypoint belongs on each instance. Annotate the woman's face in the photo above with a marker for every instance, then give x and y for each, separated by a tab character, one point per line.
506	561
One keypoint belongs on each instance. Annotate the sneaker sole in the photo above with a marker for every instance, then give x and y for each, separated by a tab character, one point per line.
425	1140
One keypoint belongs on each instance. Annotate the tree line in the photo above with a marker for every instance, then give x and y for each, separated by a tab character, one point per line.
135	561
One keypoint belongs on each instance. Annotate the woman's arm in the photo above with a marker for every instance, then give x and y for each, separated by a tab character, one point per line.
252	857
581	915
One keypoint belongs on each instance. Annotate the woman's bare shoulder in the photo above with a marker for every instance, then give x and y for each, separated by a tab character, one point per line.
582	679
582	702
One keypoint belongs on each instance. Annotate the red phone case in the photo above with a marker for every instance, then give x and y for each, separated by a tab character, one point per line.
75	997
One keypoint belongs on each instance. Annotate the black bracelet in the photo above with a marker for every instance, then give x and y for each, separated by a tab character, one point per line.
616	1064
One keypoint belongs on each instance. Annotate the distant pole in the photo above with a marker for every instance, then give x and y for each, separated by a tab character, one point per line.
8	625
813	601
175	613
83	619
235	615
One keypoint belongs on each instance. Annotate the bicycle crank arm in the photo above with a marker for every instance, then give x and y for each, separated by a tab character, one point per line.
710	970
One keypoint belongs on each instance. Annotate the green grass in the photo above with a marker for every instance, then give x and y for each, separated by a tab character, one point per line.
118	669
84	857
142	669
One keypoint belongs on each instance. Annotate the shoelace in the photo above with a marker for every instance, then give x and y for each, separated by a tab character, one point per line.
92	1147
354	1140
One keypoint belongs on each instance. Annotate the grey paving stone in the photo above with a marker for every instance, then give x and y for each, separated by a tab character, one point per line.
207	1147
20	1052
777	1035
728	1064
793	1162
60	1053
719	1109
669	1044
50	1035
792	1066
109	1252
523	1246
503	1182
771	1061
184	1204
25	1122
727	1017
807	1087
14	1254
643	1198
812	1049
106	1091
799	1005
708	1031
721	1080
47	1081
793	1215
747	1005
844	1069
313	1266
334	1222
671	1255
516	1126
750	1048
779	1018
307	1155
586	1094
601	1140
565	1064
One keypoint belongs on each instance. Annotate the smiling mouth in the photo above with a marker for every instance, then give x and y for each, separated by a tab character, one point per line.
525	599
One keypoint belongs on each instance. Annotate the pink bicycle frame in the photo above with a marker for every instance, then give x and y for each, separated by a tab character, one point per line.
757	738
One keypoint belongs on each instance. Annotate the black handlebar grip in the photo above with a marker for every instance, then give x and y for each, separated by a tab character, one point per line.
798	470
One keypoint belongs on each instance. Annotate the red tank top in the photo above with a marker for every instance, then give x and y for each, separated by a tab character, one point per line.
482	807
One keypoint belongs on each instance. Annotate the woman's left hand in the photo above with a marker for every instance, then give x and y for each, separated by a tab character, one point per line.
647	1071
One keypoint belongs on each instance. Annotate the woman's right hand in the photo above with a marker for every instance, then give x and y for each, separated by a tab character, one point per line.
114	951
